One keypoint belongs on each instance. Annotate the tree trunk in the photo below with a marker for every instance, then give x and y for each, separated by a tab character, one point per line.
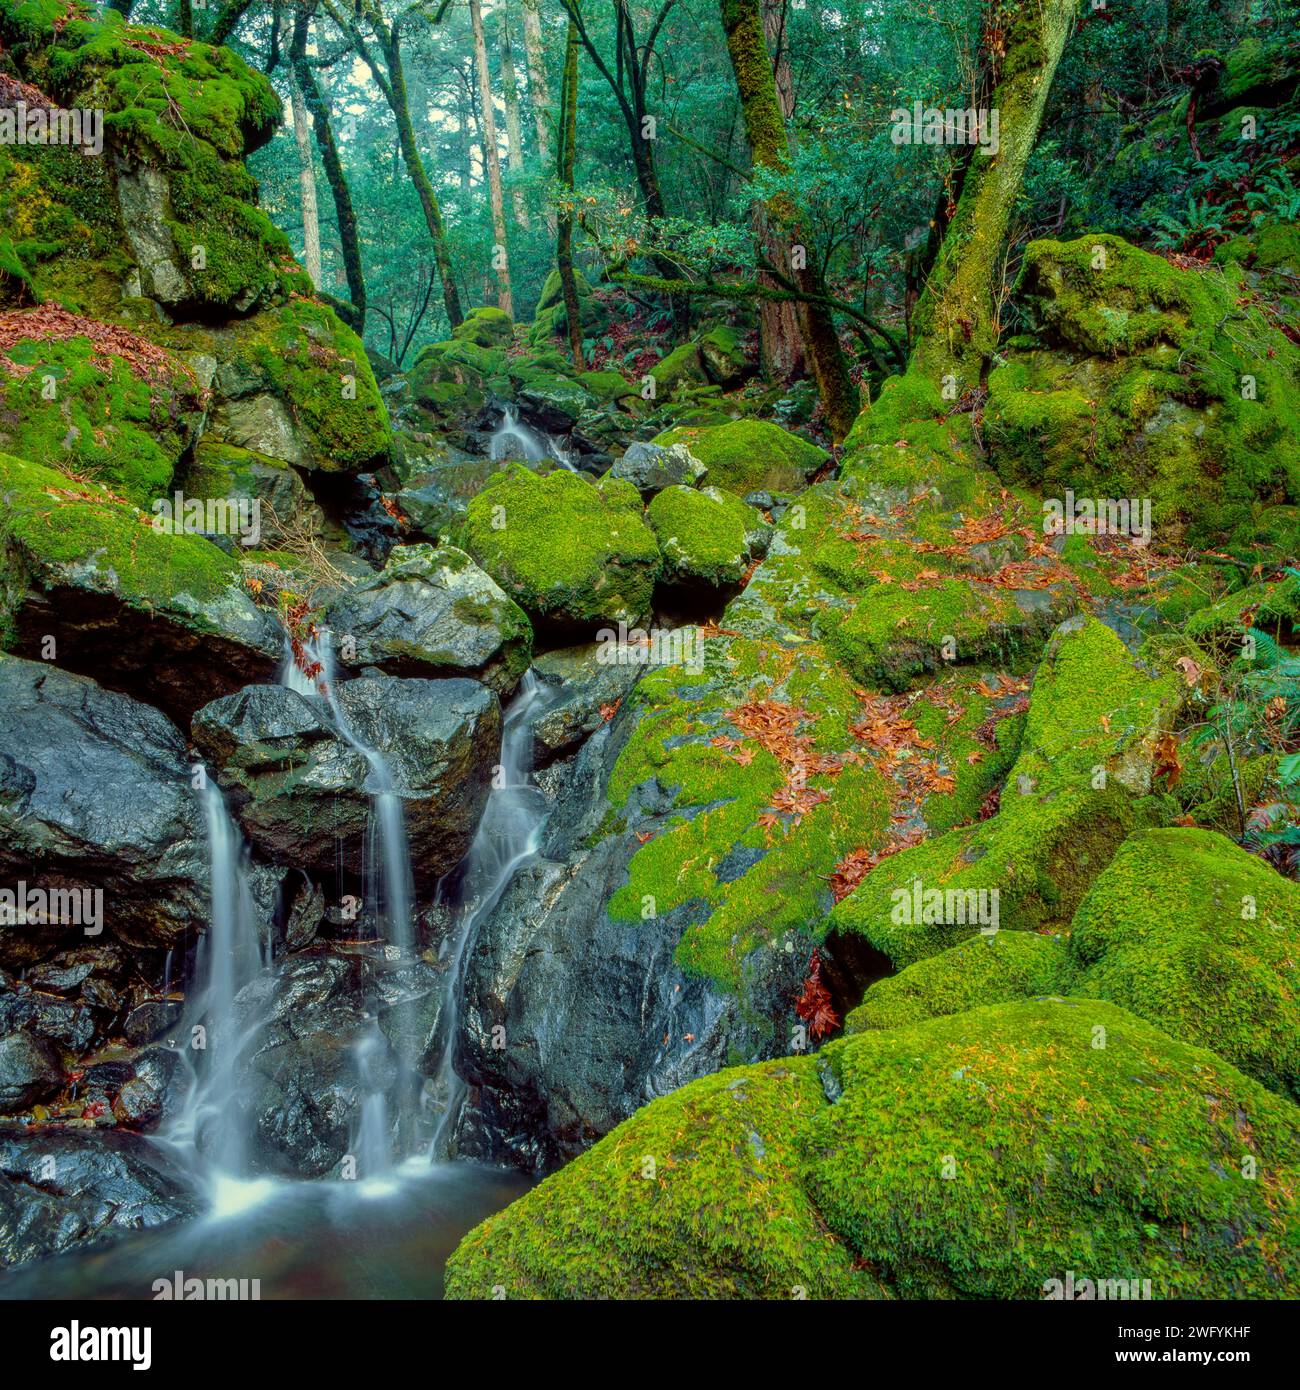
564	169
780	335
514	137
401	107
955	321
539	92
349	238
306	183
770	149
492	158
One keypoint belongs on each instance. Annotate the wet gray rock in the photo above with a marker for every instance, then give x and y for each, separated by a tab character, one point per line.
652	467
434	612
65	1022
588	686
30	1072
147	1095
299	1075
60	1190
302	791
95	794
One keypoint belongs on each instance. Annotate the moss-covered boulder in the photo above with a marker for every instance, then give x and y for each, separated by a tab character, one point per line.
89	581
722	351
550	320
1138	379
991	969
486	328
747	456
903	1161
224	471
94	399
708	538
433	612
450	379
1189	931
682	368
1082	781
573	554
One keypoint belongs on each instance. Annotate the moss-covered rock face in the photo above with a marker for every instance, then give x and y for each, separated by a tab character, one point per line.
1082	781
681	369
550	320
722	352
486	328
897	1162
1139	380
155	614
984	970
573	555
747	456
95	400
1189	931
707	537
179	117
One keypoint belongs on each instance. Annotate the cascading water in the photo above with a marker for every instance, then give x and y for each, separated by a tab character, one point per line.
391	885
229	955
508	835
513	440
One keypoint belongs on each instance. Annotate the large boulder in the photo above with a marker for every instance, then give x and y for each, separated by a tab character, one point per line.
95	795
1191	932
485	327
747	456
301	786
570	553
30	1071
89	580
652	467
708	538
433	612
722	350
1137	380
902	1163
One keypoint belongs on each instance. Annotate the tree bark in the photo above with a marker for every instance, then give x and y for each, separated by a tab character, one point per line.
780	335
492	158
955	321
769	147
306	183
514	136
564	169
539	92
344	212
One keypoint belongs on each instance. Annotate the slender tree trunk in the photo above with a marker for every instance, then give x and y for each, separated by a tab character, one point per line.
344	212
743	24
306	183
492	158
185	19
955	321
564	236
401	108
227	17
780	334
514	136
539	92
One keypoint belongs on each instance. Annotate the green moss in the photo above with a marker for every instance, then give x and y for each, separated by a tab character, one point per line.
745	456
1189	931
1145	377
984	970
58	405
680	369
486	328
705	535
570	553
1081	783
980	1155
51	523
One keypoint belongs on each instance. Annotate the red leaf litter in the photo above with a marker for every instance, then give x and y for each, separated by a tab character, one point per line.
50	324
814	1004
13	92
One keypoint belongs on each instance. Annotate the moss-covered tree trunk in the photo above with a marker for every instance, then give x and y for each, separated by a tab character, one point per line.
492	159
354	315
564	170
955	326
399	102
742	21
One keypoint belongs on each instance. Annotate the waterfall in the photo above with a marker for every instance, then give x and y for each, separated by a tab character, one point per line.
373	1145
229	955
508	835
390	885
512	440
